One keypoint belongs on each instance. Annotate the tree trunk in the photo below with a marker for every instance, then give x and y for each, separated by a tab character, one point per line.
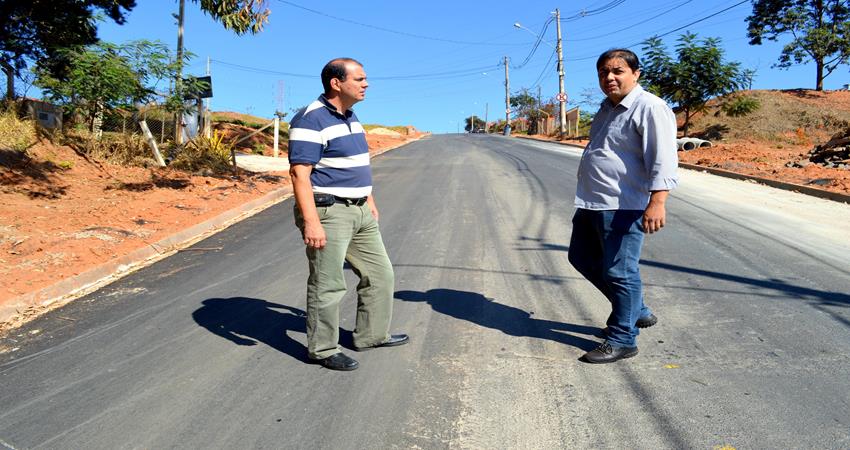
819	65
687	122
9	70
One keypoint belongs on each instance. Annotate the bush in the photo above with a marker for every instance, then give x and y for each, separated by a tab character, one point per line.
16	134
740	106
116	148
204	153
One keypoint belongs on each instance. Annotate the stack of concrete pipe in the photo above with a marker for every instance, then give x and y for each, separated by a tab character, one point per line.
688	144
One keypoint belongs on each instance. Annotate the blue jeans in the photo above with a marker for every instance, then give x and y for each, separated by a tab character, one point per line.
605	249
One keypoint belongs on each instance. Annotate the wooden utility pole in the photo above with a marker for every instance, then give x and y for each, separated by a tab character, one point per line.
486	121
507	100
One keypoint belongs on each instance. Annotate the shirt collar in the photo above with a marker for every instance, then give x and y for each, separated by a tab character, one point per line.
332	108
629	99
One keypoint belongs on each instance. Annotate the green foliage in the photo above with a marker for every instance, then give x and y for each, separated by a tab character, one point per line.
39	30
697	74
205	153
241	16
106	76
16	134
740	105
526	107
820	31
471	121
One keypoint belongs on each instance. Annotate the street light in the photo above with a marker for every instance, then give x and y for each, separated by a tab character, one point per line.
562	96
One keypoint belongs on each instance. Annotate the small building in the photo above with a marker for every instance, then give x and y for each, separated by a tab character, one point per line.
48	115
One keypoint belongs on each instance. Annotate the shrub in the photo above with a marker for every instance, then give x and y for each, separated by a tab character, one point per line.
116	148
16	134
740	106
204	153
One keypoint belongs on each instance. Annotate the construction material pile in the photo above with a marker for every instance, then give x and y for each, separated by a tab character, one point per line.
833	154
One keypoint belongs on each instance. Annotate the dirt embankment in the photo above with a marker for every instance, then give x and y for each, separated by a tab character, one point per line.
772	141
64	214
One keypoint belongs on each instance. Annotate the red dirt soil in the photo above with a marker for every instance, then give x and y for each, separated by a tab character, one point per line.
64	214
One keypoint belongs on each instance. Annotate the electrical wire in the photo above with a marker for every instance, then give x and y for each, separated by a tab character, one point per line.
421	76
388	30
536	44
630	26
671	31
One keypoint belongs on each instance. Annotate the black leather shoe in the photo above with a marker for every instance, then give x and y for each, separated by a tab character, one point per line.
646	322
643	322
339	361
605	353
394	340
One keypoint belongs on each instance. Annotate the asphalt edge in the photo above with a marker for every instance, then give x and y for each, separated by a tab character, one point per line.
20	309
23	308
799	188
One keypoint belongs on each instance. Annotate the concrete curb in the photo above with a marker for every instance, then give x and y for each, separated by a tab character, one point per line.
807	190
24	307
33	303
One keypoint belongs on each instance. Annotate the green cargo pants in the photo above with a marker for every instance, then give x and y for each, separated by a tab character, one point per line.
353	236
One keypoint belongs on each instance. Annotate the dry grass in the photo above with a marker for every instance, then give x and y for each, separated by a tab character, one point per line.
796	117
16	134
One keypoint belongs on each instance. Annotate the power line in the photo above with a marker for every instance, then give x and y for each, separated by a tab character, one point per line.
536	44
671	31
630	26
388	30
592	12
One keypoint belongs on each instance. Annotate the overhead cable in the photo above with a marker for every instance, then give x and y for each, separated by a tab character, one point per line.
388	30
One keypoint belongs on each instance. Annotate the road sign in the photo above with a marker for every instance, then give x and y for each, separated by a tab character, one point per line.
561	97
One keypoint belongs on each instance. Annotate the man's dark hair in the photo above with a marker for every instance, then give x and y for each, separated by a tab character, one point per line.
623	53
335	68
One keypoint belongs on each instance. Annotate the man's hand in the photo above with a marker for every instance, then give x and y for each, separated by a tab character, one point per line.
314	232
372	207
655	215
314	235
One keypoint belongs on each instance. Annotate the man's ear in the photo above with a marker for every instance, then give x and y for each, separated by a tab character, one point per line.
335	84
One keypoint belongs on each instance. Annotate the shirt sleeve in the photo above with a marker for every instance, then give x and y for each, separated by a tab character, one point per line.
659	147
305	141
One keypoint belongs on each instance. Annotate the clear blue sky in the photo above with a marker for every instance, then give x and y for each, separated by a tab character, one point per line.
430	64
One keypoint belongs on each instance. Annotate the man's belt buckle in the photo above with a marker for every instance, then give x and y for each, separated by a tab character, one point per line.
350	201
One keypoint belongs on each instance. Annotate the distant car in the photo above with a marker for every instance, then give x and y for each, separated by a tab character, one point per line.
478	130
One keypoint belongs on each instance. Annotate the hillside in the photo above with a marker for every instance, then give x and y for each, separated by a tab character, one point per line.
773	141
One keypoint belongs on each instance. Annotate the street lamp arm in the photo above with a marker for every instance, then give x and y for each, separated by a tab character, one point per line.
518	25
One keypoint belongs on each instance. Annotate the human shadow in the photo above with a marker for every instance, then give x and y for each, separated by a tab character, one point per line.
480	310
247	321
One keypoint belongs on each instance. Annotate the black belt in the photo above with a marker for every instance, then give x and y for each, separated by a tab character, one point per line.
350	201
328	200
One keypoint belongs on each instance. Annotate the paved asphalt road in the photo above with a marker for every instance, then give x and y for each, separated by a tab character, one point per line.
205	349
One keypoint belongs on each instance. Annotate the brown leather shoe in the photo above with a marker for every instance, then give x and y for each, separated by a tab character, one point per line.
606	353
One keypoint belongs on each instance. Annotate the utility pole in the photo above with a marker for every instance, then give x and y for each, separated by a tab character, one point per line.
507	100
178	81
561	93
486	121
539	108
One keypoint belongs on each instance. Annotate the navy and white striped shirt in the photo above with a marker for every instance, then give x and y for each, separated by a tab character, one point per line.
335	145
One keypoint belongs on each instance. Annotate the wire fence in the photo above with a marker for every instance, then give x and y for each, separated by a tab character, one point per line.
160	122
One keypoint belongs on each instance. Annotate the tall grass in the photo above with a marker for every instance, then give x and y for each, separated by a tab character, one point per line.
16	134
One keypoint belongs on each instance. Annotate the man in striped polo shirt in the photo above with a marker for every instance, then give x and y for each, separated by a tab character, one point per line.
338	218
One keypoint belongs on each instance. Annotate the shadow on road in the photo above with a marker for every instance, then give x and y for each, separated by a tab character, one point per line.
480	310
246	321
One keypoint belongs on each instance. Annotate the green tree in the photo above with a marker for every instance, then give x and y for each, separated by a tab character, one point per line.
820	31
697	74
241	16
473	121
528	107
39	30
105	76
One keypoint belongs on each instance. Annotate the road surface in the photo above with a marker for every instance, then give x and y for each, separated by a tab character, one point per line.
206	349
